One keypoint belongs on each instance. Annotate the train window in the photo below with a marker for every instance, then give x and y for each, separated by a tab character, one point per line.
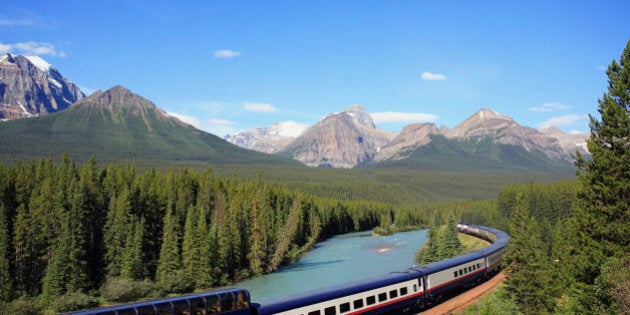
370	300
181	307
241	300
314	313
344	308
382	297
164	308
403	291
415	288
459	273
455	274
214	306
227	302
145	310
357	304
198	306
393	294
330	310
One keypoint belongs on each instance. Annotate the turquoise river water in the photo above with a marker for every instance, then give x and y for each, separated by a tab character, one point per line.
344	258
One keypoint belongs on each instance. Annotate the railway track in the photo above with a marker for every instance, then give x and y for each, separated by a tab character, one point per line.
459	303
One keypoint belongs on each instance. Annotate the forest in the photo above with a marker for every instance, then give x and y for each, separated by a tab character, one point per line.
75	236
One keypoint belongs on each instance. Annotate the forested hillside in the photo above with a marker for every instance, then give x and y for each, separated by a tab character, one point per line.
70	233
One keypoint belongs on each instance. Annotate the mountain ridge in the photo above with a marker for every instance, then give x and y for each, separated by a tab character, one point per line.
119	125
29	87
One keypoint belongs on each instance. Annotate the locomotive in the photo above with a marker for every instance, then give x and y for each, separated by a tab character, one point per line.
399	292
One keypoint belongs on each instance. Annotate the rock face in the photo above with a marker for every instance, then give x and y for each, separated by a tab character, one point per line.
29	86
269	139
411	137
340	140
570	142
504	130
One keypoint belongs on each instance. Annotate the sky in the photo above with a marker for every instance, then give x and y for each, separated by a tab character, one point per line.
230	66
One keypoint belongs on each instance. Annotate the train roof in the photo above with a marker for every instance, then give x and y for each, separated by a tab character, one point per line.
296	300
156	301
500	242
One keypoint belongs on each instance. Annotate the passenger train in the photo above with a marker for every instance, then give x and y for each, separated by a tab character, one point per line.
401	292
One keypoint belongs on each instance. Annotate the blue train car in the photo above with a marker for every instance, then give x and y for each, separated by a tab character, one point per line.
377	295
225	302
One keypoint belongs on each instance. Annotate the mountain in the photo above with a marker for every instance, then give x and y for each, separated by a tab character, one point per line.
269	139
476	154
340	140
411	137
29	86
486	141
570	142
117	125
504	130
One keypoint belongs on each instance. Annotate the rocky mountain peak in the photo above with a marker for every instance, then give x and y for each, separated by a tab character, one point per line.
411	137
359	116
30	86
118	96
339	140
570	142
484	122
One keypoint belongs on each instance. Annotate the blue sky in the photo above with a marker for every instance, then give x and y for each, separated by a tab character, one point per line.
228	66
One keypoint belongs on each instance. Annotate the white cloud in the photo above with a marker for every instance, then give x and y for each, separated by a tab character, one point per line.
5	22
563	120
549	107
602	68
222	122
432	76
259	108
4	49
187	119
31	48
399	117
226	53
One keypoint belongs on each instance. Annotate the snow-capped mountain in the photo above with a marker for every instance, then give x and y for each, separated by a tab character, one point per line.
30	86
269	139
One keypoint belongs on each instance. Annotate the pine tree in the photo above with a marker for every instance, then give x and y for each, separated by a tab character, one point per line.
603	208
528	274
132	265
117	229
170	258
6	279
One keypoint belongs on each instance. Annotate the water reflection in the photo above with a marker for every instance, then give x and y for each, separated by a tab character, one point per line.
340	259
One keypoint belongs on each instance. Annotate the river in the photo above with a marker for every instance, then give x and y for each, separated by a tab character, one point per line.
337	260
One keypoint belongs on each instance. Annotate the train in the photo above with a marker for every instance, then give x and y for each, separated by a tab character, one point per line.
398	292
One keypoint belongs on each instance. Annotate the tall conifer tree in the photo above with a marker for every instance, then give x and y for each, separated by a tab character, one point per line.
603	211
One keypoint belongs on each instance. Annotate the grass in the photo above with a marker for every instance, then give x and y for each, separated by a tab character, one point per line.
471	243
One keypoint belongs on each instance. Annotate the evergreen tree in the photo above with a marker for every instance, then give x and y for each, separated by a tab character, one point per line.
132	265
190	244
170	258
6	280
528	275
603	208
117	229
451	246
